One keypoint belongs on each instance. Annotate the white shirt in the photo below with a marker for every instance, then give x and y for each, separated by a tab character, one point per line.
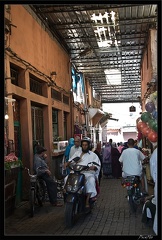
132	161
153	165
73	150
153	171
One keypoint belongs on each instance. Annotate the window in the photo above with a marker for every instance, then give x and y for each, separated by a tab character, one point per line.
65	125
14	74
37	125
56	94
65	99
55	124
17	75
35	85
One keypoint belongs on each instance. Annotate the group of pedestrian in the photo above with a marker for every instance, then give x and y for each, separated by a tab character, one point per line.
110	160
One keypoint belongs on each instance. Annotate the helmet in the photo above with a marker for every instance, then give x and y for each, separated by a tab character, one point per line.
88	140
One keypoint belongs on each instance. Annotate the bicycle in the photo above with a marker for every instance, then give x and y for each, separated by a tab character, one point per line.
37	192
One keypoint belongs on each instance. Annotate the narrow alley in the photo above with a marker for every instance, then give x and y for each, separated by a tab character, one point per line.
110	216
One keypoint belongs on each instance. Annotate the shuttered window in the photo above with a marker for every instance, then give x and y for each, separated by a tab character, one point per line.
35	85
37	125
65	99
14	75
56	94
55	124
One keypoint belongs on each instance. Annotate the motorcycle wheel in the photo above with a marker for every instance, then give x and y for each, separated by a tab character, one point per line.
32	202
69	214
41	192
132	204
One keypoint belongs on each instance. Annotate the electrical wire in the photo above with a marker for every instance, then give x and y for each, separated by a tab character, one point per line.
29	66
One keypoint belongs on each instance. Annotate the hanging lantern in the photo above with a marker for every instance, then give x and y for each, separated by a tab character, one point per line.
132	109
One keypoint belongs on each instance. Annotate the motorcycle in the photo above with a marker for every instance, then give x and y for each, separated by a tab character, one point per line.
132	184
134	193
75	194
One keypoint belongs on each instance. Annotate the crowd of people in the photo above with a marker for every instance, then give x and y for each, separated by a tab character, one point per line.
113	160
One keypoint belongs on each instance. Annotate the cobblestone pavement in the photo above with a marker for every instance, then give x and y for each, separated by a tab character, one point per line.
110	216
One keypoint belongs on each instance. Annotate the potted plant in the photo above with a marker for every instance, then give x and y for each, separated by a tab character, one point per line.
11	161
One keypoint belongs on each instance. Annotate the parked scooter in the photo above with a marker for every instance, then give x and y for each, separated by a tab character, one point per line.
75	194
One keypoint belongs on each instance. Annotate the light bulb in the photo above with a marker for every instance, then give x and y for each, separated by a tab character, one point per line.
6	116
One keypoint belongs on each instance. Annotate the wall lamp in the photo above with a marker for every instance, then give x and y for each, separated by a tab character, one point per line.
52	79
51	84
53	74
12	102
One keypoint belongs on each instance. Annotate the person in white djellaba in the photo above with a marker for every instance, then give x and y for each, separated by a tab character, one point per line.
87	157
153	171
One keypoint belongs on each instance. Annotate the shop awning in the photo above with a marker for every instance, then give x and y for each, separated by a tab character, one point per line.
95	114
105	118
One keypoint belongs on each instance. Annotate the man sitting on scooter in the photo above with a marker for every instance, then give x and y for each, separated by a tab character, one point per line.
87	157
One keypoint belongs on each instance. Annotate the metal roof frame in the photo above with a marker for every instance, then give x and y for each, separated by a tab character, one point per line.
72	26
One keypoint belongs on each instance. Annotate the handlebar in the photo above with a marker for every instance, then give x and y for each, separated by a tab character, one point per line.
78	168
32	175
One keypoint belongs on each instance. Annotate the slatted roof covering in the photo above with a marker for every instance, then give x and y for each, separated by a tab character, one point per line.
123	28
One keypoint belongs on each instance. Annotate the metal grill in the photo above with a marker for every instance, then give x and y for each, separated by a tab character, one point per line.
123	28
35	86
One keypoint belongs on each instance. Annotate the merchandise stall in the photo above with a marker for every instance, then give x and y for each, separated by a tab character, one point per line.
147	127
